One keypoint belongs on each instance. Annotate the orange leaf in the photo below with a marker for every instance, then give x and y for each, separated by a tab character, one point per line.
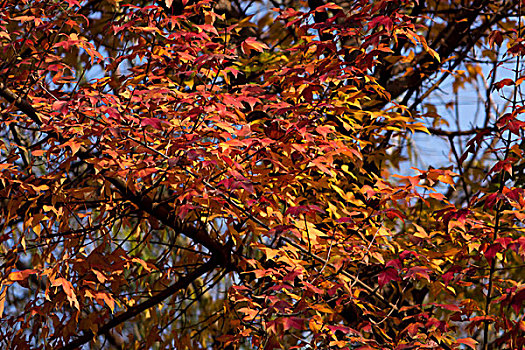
68	289
250	313
21	275
2	300
107	299
100	276
471	343
251	44
142	263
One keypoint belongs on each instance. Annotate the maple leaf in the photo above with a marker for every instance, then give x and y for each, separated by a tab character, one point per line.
187	151
292	322
250	44
154	122
388	275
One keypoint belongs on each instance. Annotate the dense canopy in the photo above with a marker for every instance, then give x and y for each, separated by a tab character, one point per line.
264	174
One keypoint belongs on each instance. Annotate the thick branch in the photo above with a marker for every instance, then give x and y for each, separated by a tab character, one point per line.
221	254
458	38
20	103
135	310
163	213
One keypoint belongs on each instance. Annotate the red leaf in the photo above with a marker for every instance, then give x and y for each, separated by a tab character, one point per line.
60	106
495	37
517	299
393	213
388	275
449	307
517	49
503	83
345	219
394	263
413	328
492	250
491	200
505	164
293	322
303	209
418	272
343	329
154	122
292	275
515	126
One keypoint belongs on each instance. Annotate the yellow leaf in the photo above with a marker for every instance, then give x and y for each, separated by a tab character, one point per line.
38	229
420	232
434	54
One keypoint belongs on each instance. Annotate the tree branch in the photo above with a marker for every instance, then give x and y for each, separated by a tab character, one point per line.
20	103
161	212
135	310
447	133
165	214
454	38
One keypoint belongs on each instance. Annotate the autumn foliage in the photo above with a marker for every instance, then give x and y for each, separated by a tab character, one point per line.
246	174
